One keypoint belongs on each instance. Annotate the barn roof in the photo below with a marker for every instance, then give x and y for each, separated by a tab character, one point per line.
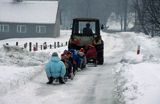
29	12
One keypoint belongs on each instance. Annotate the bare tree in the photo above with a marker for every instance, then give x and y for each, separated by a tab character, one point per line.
125	14
148	15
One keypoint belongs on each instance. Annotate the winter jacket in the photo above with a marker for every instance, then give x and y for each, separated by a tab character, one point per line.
87	31
75	55
91	52
55	68
82	57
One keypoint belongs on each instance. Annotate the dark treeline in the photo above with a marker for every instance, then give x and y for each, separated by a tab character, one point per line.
146	12
101	9
148	16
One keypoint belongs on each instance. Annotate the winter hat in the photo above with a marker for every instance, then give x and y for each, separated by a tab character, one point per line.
81	50
73	51
54	54
65	51
87	24
63	56
68	52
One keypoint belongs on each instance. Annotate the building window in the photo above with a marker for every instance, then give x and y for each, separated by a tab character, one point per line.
41	29
4	28
21	28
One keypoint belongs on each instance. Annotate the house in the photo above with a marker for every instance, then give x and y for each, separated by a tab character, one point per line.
25	19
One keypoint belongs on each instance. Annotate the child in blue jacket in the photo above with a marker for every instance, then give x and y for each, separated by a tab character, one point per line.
55	68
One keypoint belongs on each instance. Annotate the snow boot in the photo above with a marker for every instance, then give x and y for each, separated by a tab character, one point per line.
61	81
50	80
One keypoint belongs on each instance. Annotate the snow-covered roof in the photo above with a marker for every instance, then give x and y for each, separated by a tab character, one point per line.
28	11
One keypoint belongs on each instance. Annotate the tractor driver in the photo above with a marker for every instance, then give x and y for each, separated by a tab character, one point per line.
87	30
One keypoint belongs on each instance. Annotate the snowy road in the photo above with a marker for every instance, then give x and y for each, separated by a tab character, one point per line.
93	85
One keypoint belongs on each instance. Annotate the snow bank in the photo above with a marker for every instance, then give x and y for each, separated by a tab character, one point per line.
18	66
146	76
110	43
13	76
121	81
132	58
21	57
137	77
137	83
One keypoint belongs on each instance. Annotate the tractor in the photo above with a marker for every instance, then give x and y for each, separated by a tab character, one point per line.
81	37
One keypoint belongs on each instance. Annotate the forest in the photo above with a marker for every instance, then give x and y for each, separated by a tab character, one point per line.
144	13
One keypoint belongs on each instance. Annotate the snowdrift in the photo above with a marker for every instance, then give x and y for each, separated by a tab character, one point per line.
136	76
21	57
18	66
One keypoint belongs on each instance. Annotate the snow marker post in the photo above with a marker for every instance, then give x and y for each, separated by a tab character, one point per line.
138	50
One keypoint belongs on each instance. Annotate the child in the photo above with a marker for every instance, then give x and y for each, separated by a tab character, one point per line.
68	64
91	52
82	58
55	68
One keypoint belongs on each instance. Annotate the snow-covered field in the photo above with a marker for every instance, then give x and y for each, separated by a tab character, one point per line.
136	77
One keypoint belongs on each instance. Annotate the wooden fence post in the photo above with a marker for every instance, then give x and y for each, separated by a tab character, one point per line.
30	46
58	45
50	46
36	46
16	43
45	45
41	47
25	45
55	45
61	44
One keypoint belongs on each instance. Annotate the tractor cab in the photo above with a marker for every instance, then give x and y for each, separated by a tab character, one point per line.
83	32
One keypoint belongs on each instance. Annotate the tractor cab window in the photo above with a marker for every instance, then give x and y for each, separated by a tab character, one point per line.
87	28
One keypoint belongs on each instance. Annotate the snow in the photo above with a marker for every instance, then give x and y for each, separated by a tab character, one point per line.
17	65
114	21
136	77
28	11
132	58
